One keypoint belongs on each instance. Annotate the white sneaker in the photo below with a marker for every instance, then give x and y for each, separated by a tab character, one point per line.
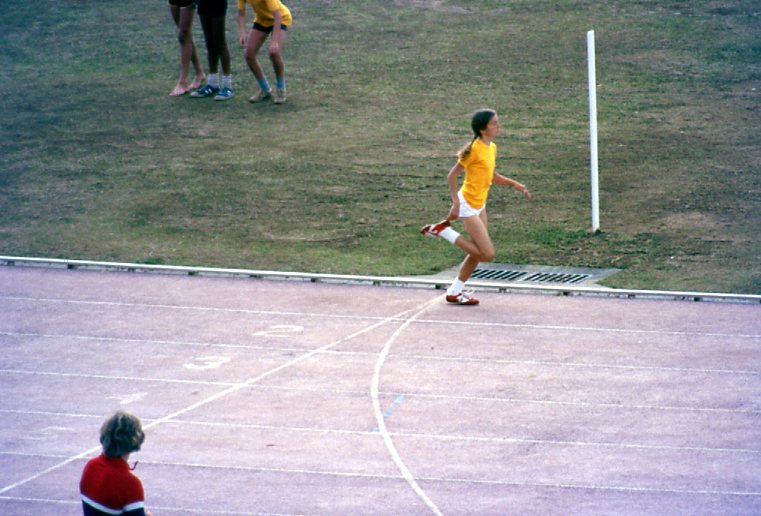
280	96
463	298
261	96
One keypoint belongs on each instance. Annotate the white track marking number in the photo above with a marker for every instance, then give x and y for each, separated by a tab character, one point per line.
279	331
49	433
206	363
126	399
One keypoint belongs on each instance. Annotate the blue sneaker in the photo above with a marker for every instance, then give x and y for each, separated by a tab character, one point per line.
224	94
204	91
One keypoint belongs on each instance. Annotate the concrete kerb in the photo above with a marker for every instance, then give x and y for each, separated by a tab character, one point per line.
388	281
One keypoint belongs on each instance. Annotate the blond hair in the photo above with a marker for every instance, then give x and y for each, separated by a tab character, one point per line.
121	434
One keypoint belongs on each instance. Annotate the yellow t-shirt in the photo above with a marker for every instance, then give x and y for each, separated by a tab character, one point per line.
264	11
479	172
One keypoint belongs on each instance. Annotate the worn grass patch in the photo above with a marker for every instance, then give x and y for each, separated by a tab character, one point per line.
99	163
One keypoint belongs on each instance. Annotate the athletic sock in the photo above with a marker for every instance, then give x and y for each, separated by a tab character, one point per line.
214	80
227	81
449	234
280	83
456	287
264	85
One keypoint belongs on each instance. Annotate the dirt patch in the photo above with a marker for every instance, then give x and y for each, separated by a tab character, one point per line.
434	5
693	220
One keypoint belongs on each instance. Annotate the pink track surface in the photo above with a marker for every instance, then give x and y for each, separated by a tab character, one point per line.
283	397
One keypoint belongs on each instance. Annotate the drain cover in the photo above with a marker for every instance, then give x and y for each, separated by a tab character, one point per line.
500	272
539	277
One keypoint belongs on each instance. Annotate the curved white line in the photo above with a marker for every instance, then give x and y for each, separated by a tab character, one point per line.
229	390
374	392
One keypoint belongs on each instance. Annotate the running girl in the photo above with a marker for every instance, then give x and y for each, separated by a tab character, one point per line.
478	160
182	13
271	17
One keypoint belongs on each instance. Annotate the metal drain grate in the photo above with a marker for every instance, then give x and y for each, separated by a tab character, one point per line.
538	277
496	274
547	277
491	272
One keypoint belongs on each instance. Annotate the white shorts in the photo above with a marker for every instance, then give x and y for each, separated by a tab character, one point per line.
466	210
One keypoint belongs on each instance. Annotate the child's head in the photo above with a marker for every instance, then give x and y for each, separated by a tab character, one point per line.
478	123
121	434
480	120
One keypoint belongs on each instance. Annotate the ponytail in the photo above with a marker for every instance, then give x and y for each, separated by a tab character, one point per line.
465	151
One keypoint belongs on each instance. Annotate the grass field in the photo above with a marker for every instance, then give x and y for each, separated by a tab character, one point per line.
98	162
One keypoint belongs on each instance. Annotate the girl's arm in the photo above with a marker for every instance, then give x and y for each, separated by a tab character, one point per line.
512	183
453	188
242	24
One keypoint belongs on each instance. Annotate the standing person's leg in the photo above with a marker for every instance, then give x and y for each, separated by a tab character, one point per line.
182	84
212	86
256	39
222	49
279	65
212	45
197	66
183	18
223	53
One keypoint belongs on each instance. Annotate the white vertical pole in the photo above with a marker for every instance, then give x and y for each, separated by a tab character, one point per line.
593	130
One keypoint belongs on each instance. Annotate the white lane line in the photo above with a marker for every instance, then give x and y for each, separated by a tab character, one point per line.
552	327
152	342
586	404
46	501
420	436
409	394
485	439
162	509
455	480
414	357
215	397
113	377
580	365
380	419
468	438
635	331
213	309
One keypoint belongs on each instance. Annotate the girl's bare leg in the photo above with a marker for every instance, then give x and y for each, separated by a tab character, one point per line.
479	249
467	267
183	18
200	75
255	41
277	58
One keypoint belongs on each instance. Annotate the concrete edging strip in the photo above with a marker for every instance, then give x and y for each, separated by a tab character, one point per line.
403	281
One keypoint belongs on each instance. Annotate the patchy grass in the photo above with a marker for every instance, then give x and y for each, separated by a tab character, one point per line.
99	163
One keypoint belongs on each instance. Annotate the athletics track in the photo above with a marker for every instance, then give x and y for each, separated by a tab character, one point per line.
294	397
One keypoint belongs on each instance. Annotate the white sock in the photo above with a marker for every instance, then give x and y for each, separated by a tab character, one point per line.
449	234
456	287
227	81
214	80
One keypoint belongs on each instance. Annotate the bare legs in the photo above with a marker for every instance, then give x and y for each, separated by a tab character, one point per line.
256	39
183	18
479	248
